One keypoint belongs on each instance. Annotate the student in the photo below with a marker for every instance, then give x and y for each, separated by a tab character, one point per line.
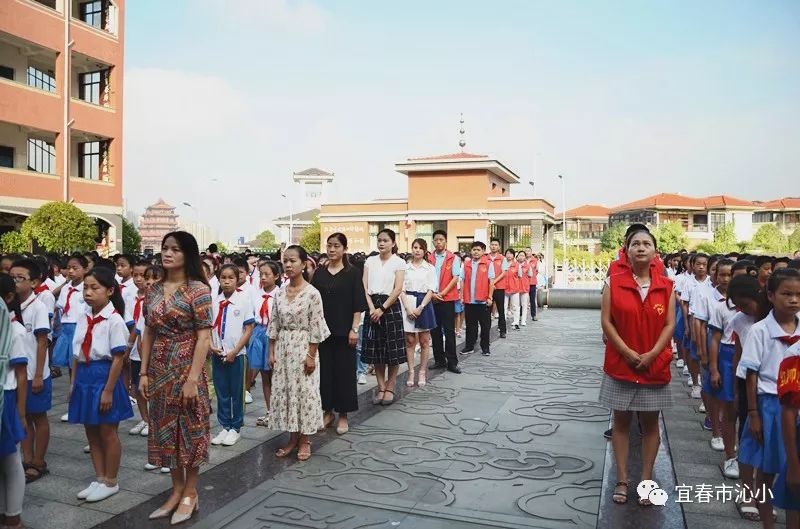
233	325
443	337
690	297
704	298
124	267
12	474
521	273
98	398
533	263
419	318
722	377
210	271
71	307
39	387
258	348
244	274
500	282
478	297
787	484
781	262
134	317
509	262
767	342
42	290
764	268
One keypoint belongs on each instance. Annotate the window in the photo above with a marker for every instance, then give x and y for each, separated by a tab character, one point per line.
762	216
90	87
41	80
41	156
700	222
7	72
92	13
89	160
6	156
717	220
642	217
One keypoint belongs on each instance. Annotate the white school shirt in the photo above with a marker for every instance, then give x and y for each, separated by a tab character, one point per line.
77	305
129	295
139	333
109	337
128	290
381	275
707	297
56	282
235	316
420	279
257	299
138	324
48	300
35	321
763	352
721	318
741	325
16	356
214	284
691	292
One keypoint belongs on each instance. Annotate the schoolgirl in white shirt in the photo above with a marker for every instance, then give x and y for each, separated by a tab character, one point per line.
418	286
233	325
263	300
98	397
766	346
127	287
12	474
134	313
71	307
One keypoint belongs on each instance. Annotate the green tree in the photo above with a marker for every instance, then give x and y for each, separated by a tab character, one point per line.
770	239
706	247
61	227
310	238
614	237
131	240
266	241
14	242
725	239
670	237
794	240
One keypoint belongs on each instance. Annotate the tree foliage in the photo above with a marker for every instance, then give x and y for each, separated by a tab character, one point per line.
61	227
266	241
14	242
131	240
670	237
769	239
614	237
794	240
310	238
725	239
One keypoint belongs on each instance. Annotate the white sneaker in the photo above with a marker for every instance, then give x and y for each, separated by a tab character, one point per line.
219	438
701	408
87	449
145	431
680	363
149	466
165	470
82	495
102	492
133	401
362	378
685	370
65	417
730	469
696	392
689	382
524	322
137	430
717	444
248	398
232	438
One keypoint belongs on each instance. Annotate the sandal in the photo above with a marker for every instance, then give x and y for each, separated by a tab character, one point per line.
620	497
285	451
375	399
262	421
748	512
38	472
410	381
304	452
55	372
388	402
422	380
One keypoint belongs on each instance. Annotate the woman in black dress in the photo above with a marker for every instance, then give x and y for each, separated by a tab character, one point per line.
343	301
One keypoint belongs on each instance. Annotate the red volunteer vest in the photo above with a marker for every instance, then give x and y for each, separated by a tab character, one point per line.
639	324
446	274
481	280
534	263
517	284
497	263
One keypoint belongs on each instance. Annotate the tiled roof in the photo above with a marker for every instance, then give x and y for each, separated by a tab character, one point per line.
160	205
452	156
314	172
716	201
779	204
674	200
302	216
587	210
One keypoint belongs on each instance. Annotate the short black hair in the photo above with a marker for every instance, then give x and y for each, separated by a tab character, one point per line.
494	239
636	227
439	232
761	260
479	244
34	271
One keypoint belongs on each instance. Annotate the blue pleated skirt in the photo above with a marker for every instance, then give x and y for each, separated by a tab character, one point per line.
258	349
40	402
62	352
84	406
11	431
782	496
726	374
769	457
680	325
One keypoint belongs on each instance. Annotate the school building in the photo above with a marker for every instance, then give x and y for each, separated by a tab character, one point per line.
61	82
468	195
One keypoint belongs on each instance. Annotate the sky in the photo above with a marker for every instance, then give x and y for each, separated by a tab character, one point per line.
225	99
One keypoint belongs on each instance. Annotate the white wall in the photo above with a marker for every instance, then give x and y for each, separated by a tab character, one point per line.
11	57
743	225
12	136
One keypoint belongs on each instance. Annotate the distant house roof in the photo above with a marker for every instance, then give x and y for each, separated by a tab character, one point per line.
715	201
676	201
785	203
313	171
587	210
452	156
303	216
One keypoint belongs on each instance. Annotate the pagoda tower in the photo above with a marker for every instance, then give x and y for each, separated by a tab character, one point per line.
158	220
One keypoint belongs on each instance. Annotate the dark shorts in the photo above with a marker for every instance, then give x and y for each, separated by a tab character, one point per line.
136	366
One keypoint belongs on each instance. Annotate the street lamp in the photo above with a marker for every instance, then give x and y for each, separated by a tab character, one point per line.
530	182
291	217
564	225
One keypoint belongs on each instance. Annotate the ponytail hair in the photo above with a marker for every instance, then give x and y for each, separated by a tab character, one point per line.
302	254
105	277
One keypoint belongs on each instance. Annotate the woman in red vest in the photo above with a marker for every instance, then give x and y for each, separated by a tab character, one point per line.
638	318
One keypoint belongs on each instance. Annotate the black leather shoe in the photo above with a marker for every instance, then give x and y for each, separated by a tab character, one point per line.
454	369
438	365
502	335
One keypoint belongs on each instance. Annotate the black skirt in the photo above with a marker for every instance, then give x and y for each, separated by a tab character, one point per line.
384	342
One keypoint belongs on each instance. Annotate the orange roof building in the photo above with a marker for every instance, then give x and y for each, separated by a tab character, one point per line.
784	212
585	226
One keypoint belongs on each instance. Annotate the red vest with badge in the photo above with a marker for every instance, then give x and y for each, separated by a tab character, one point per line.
446	274
639	324
481	279
534	263
497	263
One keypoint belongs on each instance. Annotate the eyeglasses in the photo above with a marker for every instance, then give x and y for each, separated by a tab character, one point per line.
19	279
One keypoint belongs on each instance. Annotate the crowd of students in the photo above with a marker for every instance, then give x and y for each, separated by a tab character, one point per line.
100	322
733	322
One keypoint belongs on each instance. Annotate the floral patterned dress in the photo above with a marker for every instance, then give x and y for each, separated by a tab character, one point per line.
296	405
178	437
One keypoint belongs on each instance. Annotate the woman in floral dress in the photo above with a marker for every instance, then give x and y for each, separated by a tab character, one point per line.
175	342
295	331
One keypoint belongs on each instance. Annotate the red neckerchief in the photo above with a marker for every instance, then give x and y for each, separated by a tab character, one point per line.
86	346
70	292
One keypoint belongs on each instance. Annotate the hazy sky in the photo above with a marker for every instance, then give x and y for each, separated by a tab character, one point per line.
624	98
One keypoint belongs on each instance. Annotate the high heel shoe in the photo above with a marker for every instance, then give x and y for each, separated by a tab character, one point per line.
410	381
422	379
161	513
178	518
